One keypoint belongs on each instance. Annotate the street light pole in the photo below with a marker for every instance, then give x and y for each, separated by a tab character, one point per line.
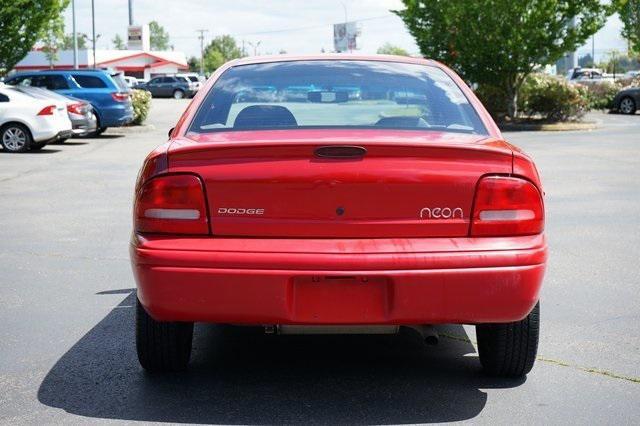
130	12
75	35
93	29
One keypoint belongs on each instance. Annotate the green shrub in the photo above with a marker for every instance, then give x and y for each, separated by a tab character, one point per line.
494	100
141	100
600	95
552	98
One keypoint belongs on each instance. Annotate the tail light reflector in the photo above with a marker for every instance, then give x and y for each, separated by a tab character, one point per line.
77	108
506	206
120	96
48	110
173	204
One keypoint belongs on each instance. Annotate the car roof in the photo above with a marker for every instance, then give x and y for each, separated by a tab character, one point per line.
332	57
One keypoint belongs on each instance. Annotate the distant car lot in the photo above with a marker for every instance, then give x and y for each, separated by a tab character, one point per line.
66	308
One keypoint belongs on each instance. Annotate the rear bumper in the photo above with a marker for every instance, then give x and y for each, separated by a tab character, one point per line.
373	281
118	114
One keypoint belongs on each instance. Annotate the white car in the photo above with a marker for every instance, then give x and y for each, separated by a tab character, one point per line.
195	81
30	123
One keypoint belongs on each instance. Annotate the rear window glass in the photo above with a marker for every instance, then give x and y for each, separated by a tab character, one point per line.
193	78
330	94
89	82
120	82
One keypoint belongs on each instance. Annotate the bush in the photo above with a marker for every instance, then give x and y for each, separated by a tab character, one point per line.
600	95
494	100
141	100
552	98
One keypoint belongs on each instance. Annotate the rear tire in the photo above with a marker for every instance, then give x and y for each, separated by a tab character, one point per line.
627	105
15	137
178	94
509	350
162	346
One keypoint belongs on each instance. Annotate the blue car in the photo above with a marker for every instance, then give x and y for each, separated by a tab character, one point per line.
107	92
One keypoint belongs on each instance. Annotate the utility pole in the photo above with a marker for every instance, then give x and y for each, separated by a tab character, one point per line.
255	47
75	35
130	12
593	51
93	29
201	37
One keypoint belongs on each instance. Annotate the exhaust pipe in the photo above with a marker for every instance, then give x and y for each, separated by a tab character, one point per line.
428	332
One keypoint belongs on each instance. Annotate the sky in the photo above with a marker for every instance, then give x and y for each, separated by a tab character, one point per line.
296	26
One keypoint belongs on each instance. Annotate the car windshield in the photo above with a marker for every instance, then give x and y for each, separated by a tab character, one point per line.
330	94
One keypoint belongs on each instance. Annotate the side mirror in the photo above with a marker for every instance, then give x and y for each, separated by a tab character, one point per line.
170	131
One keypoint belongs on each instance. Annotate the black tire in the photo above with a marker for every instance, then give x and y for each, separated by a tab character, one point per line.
23	144
178	94
61	140
627	105
162	346
509	350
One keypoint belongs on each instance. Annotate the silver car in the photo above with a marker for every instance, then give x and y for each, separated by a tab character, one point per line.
80	111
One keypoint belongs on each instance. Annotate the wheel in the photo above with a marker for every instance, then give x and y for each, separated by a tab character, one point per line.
509	350
627	105
162	346
178	94
15	138
62	140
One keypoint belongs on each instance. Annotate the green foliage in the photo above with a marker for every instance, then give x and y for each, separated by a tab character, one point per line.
600	95
194	64
67	41
141	100
53	39
22	23
552	98
390	49
629	11
499	42
118	42
158	37
221	49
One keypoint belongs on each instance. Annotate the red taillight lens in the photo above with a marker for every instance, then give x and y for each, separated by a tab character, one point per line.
506	206
49	110
173	204
76	108
120	96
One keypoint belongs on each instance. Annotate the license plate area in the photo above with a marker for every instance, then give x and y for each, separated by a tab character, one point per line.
343	299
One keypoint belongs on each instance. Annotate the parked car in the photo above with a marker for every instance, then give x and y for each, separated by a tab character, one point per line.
627	100
107	93
131	81
169	86
327	216
28	123
80	112
196	80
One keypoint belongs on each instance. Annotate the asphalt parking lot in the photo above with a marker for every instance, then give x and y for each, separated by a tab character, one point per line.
67	297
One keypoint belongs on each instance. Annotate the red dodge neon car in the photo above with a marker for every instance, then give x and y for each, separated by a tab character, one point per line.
381	195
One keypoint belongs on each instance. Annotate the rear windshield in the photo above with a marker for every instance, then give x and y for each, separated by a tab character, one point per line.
120	82
330	94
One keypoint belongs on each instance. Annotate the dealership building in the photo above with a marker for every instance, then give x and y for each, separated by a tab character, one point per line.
138	60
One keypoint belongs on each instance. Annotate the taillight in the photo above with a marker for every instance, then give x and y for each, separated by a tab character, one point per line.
506	206
120	96
49	110
173	204
77	108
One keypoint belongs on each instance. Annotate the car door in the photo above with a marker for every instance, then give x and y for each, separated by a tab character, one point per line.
167	86
153	86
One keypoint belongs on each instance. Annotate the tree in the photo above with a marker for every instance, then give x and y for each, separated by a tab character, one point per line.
221	49
498	43
67	41
586	61
159	38
390	49
118	42
629	11
53	39
194	64
23	23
